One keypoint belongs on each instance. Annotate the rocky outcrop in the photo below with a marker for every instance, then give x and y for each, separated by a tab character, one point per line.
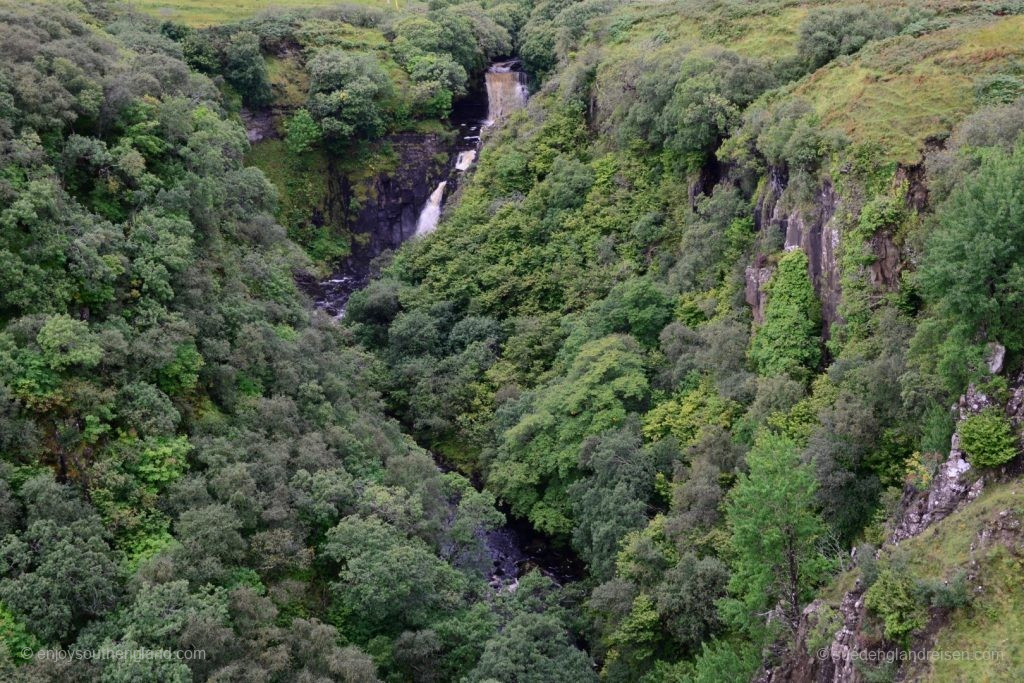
884	272
758	276
259	125
952	487
818	236
379	211
813	229
830	663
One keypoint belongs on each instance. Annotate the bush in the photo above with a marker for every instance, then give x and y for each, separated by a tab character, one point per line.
892	597
787	342
998	89
347	93
303	133
245	69
987	439
828	33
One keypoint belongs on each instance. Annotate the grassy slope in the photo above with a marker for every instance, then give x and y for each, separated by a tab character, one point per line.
995	617
209	12
900	92
893	95
890	98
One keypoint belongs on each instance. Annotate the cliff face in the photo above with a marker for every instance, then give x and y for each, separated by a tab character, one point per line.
815	228
381	211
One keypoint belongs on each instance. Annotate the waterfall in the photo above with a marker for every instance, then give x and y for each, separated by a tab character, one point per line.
431	212
506	90
506	93
465	159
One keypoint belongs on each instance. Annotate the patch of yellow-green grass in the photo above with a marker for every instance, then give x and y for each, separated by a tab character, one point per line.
209	12
289	80
991	627
316	33
899	92
770	35
948	544
994	620
839	586
946	547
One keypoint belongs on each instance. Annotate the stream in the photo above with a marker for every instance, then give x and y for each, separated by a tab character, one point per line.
514	548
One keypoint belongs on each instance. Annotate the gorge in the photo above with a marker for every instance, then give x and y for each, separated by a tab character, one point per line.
404	213
323	354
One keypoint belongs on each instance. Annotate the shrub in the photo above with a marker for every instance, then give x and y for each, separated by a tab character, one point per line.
892	597
998	89
787	342
987	439
245	69
828	33
303	133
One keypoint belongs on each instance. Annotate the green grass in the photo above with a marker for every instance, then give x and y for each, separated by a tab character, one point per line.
899	92
209	12
302	191
289	81
995	618
993	623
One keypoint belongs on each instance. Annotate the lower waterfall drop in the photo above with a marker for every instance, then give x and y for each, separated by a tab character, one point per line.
431	213
465	160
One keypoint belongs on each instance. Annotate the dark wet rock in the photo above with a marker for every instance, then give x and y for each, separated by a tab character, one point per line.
259	125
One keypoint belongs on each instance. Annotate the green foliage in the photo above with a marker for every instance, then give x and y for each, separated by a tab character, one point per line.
532	648
65	342
999	89
632	644
303	133
231	476
787	342
827	33
987	438
181	375
686	416
971	274
725	660
538	455
386	582
245	69
892	598
775	533
15	640
346	95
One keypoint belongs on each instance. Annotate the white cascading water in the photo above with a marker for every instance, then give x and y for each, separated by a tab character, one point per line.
431	213
465	160
506	91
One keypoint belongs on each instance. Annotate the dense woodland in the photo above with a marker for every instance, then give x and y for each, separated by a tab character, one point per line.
191	456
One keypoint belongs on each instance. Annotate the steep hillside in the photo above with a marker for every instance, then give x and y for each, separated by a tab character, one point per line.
711	371
732	251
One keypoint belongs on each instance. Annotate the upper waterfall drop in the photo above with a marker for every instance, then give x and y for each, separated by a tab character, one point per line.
431	213
506	90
